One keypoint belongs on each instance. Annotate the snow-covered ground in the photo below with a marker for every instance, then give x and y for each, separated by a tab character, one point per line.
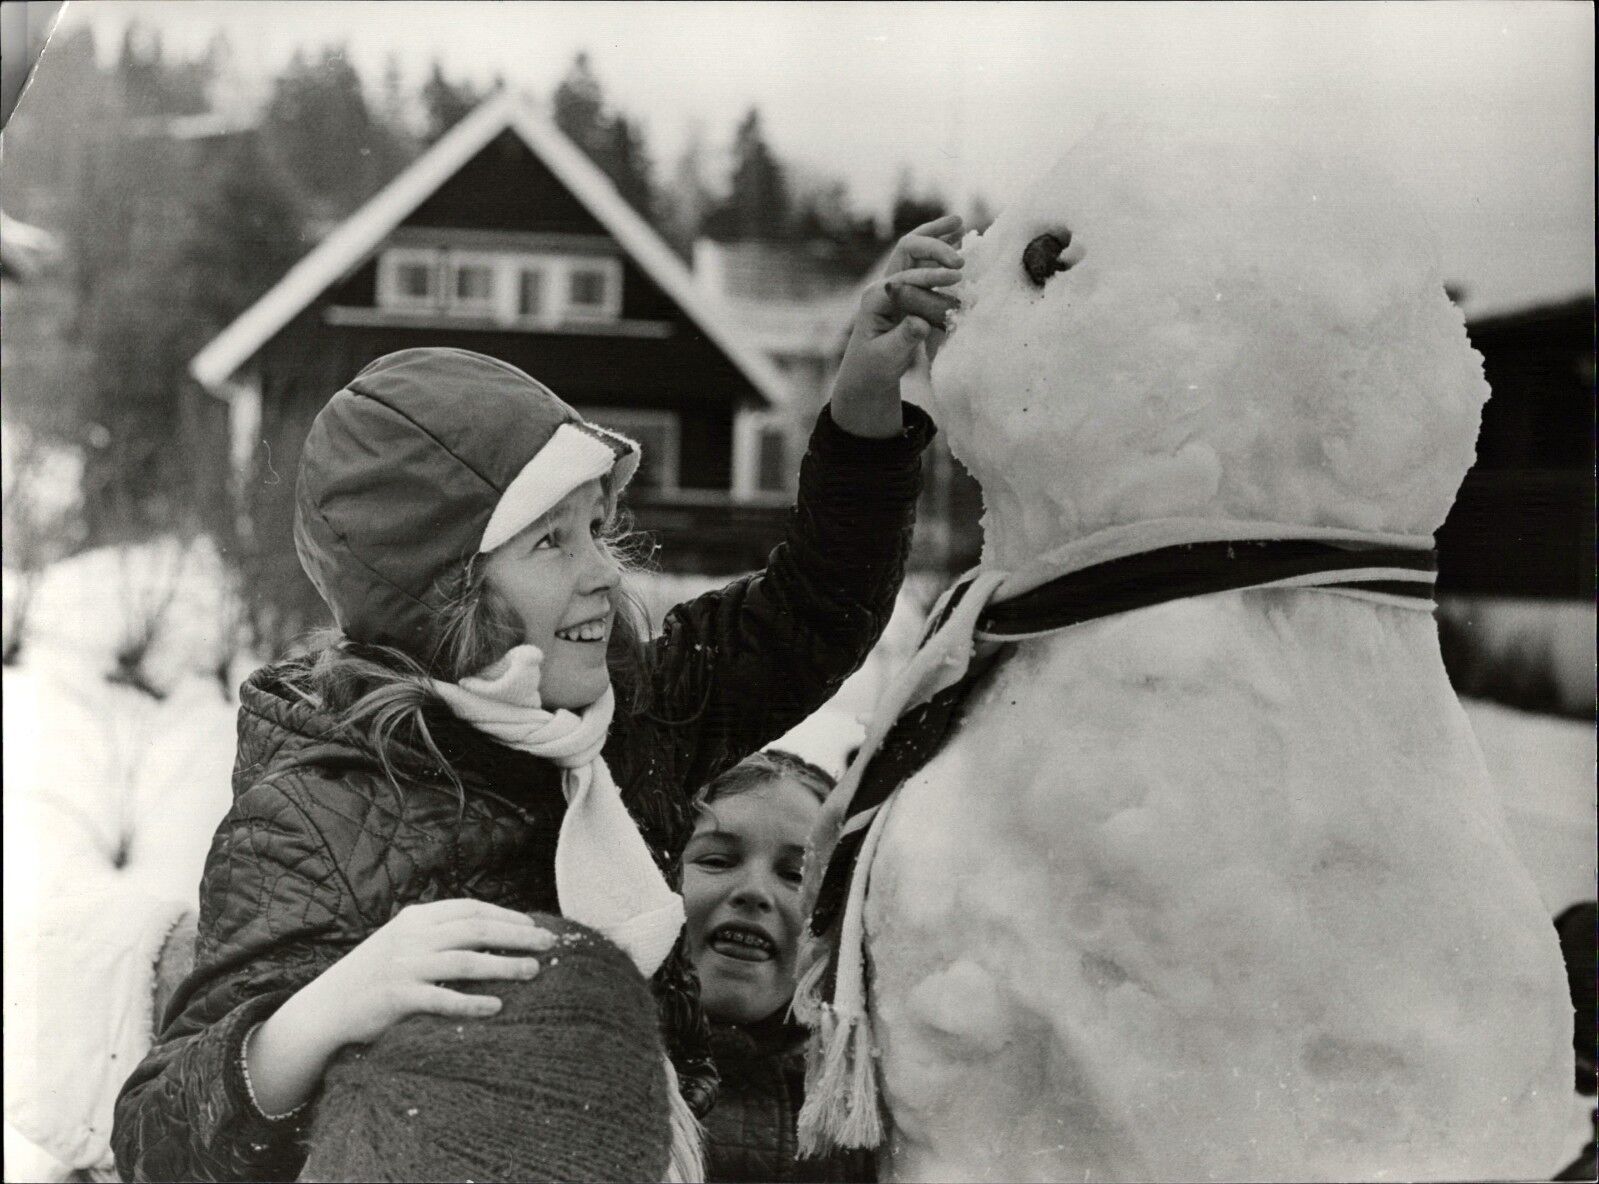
97	774
111	799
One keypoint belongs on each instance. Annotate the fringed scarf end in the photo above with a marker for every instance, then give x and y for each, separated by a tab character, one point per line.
843	1107
810	990
686	1164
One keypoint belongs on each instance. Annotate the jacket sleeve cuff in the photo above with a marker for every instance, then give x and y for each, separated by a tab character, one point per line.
835	443
240	1026
259	1111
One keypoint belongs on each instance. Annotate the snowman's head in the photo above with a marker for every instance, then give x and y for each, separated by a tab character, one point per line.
1182	322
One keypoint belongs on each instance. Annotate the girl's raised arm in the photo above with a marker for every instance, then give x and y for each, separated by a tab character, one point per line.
738	667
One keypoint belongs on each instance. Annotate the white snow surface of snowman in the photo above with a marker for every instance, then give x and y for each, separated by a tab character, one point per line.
1219	889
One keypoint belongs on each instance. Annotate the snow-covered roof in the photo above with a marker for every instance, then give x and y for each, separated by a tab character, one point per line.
353	240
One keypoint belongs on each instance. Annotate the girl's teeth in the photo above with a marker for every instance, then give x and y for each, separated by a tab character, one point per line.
742	947
742	938
591	632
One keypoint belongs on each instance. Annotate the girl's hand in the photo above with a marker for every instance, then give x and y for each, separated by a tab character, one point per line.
895	317
395	973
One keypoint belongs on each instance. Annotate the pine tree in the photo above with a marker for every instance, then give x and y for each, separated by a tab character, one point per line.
757	203
122	220
245	231
579	109
394	103
54	150
319	131
912	207
445	103
612	141
629	167
825	217
687	201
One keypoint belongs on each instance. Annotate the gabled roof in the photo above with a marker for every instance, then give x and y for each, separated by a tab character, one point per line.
353	240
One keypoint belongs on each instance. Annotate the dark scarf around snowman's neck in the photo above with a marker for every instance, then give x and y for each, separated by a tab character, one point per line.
973	625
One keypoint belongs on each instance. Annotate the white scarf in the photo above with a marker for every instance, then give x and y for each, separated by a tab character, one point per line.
605	876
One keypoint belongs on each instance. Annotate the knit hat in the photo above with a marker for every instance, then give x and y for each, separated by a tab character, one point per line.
567	1082
428	457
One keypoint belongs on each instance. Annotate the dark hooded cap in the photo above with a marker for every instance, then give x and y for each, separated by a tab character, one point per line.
405	476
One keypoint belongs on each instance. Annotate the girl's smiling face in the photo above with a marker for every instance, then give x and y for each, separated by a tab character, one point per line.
559	577
741	878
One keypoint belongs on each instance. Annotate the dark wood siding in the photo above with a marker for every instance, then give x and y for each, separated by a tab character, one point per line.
506	187
685	374
683	371
1541	368
1523	524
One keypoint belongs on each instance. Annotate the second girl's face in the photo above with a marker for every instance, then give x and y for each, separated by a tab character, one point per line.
560	578
741	879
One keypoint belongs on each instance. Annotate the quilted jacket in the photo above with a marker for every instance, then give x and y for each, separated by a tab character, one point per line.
319	850
750	1134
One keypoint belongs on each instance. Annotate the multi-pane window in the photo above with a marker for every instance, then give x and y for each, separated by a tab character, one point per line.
472	286
538	289
415	280
587	289
409	279
657	433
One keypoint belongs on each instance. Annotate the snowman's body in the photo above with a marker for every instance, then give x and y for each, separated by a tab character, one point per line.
1217	889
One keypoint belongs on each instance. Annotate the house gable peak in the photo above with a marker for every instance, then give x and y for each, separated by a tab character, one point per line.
354	240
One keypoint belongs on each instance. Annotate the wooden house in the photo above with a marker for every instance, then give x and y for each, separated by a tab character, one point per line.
505	239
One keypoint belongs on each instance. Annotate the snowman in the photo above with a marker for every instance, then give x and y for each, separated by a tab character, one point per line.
1204	878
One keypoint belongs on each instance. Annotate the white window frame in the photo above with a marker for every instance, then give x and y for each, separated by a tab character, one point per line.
506	267
749	426
610	271
490	306
538	264
778	431
629	421
391	295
